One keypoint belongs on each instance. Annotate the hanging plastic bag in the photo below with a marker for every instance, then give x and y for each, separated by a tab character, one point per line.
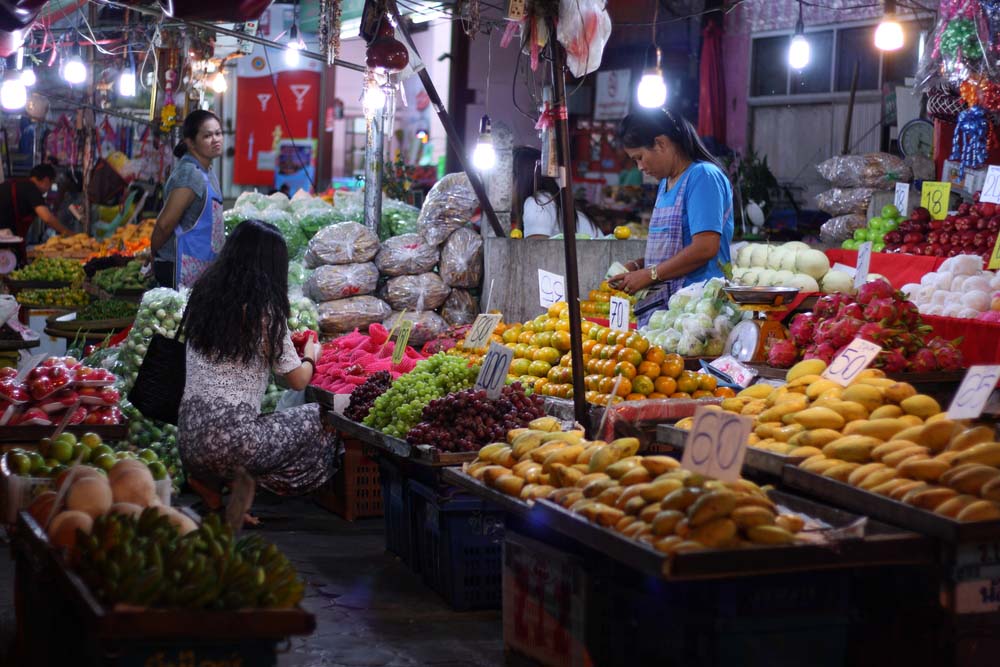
427	325
460	308
584	29
406	255
462	259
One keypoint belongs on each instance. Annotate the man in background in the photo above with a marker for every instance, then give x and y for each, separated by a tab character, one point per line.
22	200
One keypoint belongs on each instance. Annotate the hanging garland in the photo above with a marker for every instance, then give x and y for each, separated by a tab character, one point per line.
961	40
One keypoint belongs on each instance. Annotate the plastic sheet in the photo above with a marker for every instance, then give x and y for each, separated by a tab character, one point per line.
406	255
449	205
633	418
462	259
287	225
880	171
584	28
423	292
342	243
340	281
427	325
837	230
344	315
460	308
842	201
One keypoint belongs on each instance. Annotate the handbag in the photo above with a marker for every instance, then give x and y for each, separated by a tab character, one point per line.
159	385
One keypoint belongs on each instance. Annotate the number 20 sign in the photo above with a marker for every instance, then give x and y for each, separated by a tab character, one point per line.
717	444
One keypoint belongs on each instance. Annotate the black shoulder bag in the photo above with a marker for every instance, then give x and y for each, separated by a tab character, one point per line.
159	385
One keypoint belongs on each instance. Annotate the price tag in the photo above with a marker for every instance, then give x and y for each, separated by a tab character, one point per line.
619	313
849	270
995	257
493	372
29	365
402	339
976	597
481	330
740	374
717	444
902	198
855	358
975	390
864	261
551	288
991	186
934	197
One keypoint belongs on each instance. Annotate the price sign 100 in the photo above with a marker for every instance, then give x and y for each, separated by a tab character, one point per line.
493	372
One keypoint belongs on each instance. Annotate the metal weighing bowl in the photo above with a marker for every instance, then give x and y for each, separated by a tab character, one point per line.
761	296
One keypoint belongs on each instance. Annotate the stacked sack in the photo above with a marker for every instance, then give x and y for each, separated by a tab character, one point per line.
408	261
344	278
855	179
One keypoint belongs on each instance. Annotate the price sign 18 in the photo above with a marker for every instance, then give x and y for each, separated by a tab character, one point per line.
902	198
551	288
934	197
995	257
975	390
493	372
481	330
852	360
991	186
619	314
402	339
864	261
717	444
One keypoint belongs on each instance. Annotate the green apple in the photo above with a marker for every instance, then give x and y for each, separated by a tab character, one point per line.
37	461
158	470
875	224
81	452
878	247
861	235
891	225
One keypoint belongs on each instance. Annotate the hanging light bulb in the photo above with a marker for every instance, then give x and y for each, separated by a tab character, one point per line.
28	77
652	91
73	69
13	94
889	34
126	81
799	51
295	45
219	83
484	157
373	98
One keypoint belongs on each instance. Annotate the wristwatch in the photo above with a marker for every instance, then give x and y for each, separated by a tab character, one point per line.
652	274
310	361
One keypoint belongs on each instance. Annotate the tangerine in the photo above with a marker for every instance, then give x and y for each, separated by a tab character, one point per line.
649	369
606	385
630	355
557	308
586	326
539	368
642	385
656	394
590	396
525	337
665	385
625	368
547	354
701	393
724	392
562	324
588	346
510	335
566	361
604	334
655	355
707	382
687	382
680	394
592	382
595	350
635	397
637	342
540	385
543	339
624	387
672	368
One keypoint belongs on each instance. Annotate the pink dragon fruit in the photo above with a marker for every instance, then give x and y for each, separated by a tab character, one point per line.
949	358
881	310
823	351
909	315
907	341
923	361
852	310
828	306
989	316
838	332
782	354
938	342
892	361
802	328
876	333
876	289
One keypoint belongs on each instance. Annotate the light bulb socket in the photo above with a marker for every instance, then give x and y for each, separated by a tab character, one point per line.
485	126
293	34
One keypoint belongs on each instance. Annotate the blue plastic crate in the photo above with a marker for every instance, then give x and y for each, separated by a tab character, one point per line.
398	512
460	545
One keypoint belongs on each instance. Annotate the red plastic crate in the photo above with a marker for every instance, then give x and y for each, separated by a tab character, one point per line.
355	491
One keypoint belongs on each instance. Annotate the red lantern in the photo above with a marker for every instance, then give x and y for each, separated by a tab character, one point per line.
386	52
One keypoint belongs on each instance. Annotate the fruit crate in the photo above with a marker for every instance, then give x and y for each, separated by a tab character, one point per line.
459	547
355	491
398	512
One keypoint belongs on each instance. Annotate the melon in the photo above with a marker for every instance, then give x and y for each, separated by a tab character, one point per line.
90	495
128	509
82	472
123	466
62	532
135	486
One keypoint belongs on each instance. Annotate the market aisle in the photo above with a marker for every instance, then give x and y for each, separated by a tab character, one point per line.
371	610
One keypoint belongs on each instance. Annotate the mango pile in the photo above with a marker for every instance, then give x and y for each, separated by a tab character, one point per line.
646	498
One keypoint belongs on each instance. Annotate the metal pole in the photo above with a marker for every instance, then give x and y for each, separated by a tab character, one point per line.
569	231
449	126
374	157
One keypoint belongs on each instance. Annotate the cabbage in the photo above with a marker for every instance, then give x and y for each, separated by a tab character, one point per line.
678	301
671	340
690	346
837	281
813	263
706	307
696	324
657	320
712	288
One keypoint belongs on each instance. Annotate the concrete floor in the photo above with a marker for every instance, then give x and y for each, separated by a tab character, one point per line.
371	610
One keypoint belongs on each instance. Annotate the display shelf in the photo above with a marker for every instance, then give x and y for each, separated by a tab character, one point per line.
457	477
757	460
33	434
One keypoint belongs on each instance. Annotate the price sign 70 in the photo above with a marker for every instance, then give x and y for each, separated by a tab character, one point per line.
975	390
493	372
852	360
619	314
717	444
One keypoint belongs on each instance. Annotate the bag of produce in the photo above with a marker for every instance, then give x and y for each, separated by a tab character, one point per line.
342	243
837	230
843	201
462	259
427	325
298	274
279	200
449	205
159	313
315	217
460	308
286	224
343	315
397	219
257	200
423	292
329	282
873	170
303	313
406	255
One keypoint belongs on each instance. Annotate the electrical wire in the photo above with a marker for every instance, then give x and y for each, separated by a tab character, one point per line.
284	120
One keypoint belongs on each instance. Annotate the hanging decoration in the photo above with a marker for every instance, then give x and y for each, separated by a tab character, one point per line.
969	143
329	29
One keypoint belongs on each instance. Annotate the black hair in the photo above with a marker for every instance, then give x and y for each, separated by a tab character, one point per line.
526	185
43	171
238	308
192	125
640	129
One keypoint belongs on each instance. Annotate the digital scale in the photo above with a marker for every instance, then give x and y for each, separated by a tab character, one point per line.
749	340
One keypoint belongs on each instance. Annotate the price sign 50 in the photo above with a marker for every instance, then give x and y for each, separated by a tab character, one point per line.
619	313
975	390
851	361
493	372
717	444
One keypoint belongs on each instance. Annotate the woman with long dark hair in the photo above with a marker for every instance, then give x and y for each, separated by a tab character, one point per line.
692	223
189	231
536	206
236	328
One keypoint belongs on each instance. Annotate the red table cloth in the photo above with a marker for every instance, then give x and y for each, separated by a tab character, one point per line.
900	269
980	340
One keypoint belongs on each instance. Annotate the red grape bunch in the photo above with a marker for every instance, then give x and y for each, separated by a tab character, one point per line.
364	395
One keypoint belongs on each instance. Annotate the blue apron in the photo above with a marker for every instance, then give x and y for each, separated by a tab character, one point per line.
198	247
666	239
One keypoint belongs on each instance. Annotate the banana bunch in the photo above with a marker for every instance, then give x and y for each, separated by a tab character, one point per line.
144	561
647	498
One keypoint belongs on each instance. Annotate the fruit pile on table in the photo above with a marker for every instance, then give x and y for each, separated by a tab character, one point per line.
51	269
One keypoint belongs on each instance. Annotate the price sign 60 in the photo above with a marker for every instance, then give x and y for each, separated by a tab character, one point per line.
493	372
717	444
851	361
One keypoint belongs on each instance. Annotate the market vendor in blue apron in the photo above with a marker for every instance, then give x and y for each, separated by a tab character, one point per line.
692	223
189	231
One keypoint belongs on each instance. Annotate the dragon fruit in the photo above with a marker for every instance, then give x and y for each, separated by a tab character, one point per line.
909	315
949	358
837	332
881	310
782	354
876	289
852	310
892	361
823	351
802	328
876	333
923	361
828	306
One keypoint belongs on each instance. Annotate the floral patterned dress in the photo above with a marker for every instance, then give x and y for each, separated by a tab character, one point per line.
220	426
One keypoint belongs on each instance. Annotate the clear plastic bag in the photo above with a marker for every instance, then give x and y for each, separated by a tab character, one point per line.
843	201
357	312
462	259
839	229
427	325
287	225
313	216
342	243
872	170
330	282
460	308
422	292
398	218
450	204
584	28
297	273
257	200
406	255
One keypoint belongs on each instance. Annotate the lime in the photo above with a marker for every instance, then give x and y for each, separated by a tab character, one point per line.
91	439
19	463
66	436
44	471
81	452
148	455
44	445
61	450
37	461
121	456
105	461
101	449
158	470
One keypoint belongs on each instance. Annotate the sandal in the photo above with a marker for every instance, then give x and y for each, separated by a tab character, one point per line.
210	494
